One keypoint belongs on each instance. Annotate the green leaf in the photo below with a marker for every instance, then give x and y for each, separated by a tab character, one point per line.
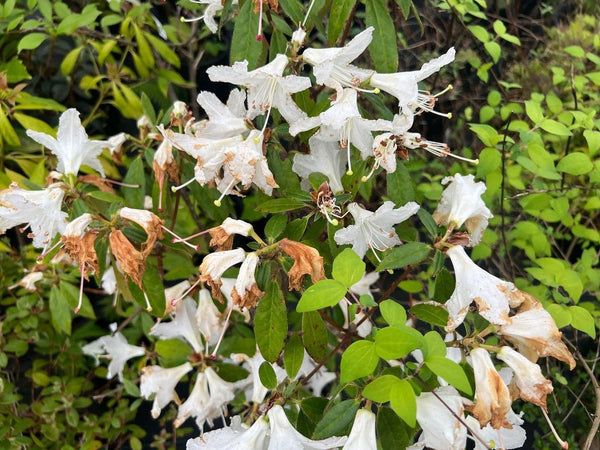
358	360
107	197
154	289
338	17
267	376
583	320
560	313
434	345
336	420
67	64
321	295
60	312
278	205
575	164
393	313
275	226
173	352
379	390
293	356
348	268
479	32
163	50
244	45
314	335
31	123
435	315
404	402
31	41
270	323
499	27
397	342
554	127
70	294
493	50
404	255
400	185
449	371
444	286
383	48
134	197
391	430
429	222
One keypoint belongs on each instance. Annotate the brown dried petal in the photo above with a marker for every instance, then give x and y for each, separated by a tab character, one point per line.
249	299
82	250
131	261
220	238
307	261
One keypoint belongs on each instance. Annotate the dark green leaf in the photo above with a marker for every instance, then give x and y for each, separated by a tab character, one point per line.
275	226
428	221
383	47
391	430
293	355
449	371
60	311
270	323
267	375
336	420
314	335
135	175
435	315
278	205
444	286
244	45
338	17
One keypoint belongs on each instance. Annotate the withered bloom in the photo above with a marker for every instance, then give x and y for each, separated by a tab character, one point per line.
151	223
246	292
164	164
79	244
131	261
307	261
222	235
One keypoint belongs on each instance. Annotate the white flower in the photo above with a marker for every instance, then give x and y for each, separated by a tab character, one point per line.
267	87
384	150
71	146
441	428
363	286
493	296
535	334
109	281
208	318
115	143
461	203
162	382
331	66
319	380
252	386
285	436
77	227
362	436
180	109
507	438
246	292
117	349
298	37
404	85
214	6
529	381
214	264
364	329
234	437
28	281
225	121
182	326
492	396
374	230
325	157
236	226
40	210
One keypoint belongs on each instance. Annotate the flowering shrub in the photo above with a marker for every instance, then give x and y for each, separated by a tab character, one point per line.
288	259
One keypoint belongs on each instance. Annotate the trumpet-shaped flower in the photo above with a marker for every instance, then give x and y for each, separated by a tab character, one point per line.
461	203
362	436
529	382
535	334
267	87
116	348
234	437
40	210
224	121
285	436
493	296
404	85
325	157
162	382
28	281
252	386
214	6
246	292
374	230
214	264
331	66
492	396
71	146
505	437
182	326
209	320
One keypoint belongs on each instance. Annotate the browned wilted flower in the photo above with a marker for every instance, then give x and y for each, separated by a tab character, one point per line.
131	261
79	244
151	223
307	261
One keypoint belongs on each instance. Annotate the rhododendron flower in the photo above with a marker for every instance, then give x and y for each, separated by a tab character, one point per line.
209	320
331	66
246	292
442	429
116	348
493	296
162	382
461	203
214	6
214	264
325	157
150	222
507	438
40	210
404	85
285	436
307	261
115	143
267	87
182	326
28	281
109	281
374	230
362	436
224	121
71	146
236	436
535	334
528	381
252	386
492	397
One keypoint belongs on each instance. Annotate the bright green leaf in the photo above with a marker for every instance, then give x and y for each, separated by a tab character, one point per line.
451	372
348	267
358	360
321	295
404	402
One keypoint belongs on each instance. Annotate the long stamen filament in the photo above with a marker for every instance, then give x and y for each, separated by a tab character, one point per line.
174	240
176	188
214	352
79	303
259	36
46	252
148	305
178	238
217	202
308	12
174	301
563	444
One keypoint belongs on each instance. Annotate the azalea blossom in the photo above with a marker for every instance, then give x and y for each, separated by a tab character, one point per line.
116	348
246	292
214	6
214	264
461	203
331	66
209	320
267	87
325	157
28	281
404	85
374	230
362	436
535	334
285	436
182	326
492	397
71	146
115	143
494	297
529	382
40	210
160	381
236	436
224	121
504	437
251	385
